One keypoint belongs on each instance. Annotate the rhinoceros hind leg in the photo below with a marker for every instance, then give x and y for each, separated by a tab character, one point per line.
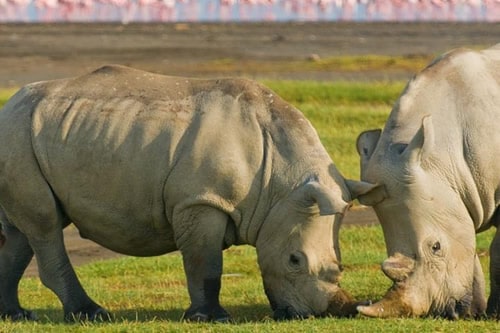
92	312
493	308
15	256
57	273
20	315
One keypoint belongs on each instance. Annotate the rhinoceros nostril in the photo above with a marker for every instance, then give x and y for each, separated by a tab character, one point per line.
464	307
450	310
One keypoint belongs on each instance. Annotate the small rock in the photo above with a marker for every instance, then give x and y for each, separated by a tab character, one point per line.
314	57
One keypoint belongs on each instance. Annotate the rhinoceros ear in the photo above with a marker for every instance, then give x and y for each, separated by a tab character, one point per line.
359	188
421	144
328	202
366	193
366	143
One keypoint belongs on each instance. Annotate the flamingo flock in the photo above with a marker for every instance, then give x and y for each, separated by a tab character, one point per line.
247	10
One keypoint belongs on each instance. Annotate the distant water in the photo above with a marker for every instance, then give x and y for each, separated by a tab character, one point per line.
247	10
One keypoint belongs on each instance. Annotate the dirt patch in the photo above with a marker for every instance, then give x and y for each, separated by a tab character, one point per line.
47	51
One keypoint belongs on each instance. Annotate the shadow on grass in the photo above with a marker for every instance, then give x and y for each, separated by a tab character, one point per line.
240	314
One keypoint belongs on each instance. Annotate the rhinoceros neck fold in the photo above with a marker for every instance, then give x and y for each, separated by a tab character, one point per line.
252	222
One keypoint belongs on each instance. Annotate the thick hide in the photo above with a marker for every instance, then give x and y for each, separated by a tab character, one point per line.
146	164
436	178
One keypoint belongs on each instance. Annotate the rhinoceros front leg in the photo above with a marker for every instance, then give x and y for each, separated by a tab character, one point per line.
15	255
478	306
493	308
200	235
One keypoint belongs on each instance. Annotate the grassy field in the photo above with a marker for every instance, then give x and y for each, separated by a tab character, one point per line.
149	294
346	64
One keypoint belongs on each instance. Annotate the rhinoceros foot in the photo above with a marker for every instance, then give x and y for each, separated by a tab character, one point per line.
216	314
493	309
93	313
20	315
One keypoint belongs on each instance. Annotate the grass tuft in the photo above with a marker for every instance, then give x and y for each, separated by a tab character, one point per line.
149	294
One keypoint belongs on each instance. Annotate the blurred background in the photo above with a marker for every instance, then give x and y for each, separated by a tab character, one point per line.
125	11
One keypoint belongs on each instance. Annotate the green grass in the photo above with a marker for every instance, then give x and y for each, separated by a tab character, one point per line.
149	294
5	94
361	63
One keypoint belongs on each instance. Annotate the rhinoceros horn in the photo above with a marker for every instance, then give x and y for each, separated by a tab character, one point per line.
397	267
390	306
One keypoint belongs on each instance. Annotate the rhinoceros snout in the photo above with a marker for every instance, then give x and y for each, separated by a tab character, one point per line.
287	313
282	311
342	304
462	308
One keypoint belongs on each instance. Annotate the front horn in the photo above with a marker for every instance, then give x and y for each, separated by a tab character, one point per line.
390	306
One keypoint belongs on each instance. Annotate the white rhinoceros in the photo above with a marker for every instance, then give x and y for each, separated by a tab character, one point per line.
437	167
146	164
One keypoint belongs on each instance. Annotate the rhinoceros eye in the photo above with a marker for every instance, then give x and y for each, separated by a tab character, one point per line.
436	247
294	260
398	148
297	260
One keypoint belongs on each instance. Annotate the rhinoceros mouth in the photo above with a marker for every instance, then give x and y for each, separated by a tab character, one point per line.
282	311
288	313
454	309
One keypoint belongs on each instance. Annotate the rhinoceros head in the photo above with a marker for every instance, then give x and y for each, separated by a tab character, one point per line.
427	226
298	257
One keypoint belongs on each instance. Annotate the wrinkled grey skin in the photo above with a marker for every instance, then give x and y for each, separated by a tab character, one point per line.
436	174
145	164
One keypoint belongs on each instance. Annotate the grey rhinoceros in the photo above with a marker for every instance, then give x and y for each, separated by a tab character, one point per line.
146	164
436	174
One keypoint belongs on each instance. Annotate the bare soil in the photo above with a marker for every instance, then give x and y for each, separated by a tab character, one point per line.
46	51
36	52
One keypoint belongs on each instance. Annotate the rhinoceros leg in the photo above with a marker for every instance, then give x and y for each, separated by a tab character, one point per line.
478	305
200	238
493	308
15	256
57	273
31	207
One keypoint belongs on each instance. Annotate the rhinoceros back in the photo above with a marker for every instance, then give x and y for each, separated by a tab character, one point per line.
460	91
108	142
